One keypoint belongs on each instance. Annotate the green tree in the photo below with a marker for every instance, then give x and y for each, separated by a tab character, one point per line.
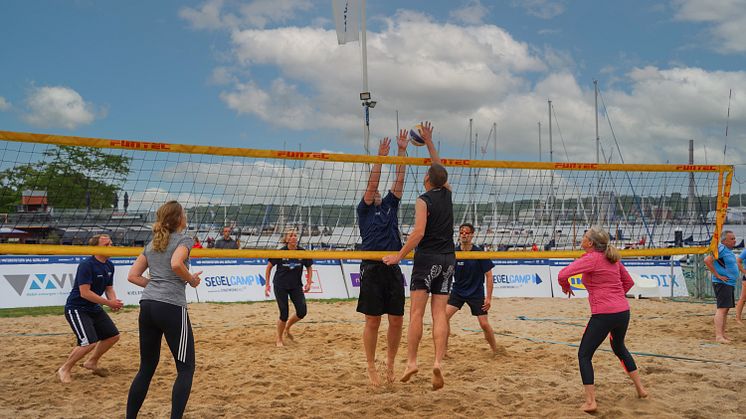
68	174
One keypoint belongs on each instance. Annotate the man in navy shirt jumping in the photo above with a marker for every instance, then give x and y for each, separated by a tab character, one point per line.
93	328
472	276
381	286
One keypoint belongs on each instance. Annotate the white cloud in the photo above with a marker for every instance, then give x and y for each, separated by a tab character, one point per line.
58	106
4	104
222	14
471	13
448	73
423	68
543	9
726	17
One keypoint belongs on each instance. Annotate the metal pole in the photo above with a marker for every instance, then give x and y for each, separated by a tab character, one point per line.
539	123
364	47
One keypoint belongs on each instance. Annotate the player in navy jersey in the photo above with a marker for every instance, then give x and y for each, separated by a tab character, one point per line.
470	280
288	283
93	328
381	285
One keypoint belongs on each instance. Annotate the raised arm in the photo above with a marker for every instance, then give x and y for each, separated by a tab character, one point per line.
418	232
375	172
401	142
427	136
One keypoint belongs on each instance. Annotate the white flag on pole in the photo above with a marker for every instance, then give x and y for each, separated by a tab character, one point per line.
346	20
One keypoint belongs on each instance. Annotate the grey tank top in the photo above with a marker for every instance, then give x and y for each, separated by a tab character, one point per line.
165	286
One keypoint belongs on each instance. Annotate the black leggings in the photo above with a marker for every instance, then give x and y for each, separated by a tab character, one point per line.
599	326
156	320
296	296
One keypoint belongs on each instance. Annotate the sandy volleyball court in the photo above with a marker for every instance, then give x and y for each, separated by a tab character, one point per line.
241	374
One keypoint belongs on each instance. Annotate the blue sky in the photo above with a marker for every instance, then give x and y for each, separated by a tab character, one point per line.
269	74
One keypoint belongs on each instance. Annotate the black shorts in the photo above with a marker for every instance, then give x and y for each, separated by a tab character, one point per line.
90	327
724	295
475	304
433	272
381	289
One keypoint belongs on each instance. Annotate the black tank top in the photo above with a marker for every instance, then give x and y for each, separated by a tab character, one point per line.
439	229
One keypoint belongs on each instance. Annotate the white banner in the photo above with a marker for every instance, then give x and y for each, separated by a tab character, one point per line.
244	279
346	20
521	278
659	270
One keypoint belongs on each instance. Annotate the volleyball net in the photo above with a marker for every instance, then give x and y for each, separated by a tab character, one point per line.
58	191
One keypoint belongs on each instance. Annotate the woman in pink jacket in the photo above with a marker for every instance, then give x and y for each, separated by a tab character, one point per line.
607	281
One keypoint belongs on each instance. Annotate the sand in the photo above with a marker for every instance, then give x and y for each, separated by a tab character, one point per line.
241	374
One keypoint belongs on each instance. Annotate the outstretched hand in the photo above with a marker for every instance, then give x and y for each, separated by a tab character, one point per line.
403	139
384	146
427	132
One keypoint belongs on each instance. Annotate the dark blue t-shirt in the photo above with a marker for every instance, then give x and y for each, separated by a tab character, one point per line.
289	272
379	226
98	275
469	279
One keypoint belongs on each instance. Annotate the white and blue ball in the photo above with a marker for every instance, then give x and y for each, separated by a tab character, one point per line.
415	135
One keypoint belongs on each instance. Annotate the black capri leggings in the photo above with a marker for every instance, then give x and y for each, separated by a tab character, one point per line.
156	320
599	326
296	296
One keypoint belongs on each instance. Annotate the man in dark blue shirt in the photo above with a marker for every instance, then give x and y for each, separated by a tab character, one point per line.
381	285
93	328
471	277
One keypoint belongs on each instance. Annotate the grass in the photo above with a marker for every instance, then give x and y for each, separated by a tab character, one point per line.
45	311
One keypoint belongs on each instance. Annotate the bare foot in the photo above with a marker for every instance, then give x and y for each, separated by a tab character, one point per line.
64	376
289	336
390	377
408	374
722	340
589	407
642	394
375	381
438	381
93	366
279	343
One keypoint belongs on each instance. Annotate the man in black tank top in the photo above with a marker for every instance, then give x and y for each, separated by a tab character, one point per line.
434	262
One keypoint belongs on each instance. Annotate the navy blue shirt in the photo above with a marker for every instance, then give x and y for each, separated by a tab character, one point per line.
379	225
289	271
98	275
469	279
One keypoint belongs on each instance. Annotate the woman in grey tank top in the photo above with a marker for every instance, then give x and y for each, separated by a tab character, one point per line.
163	308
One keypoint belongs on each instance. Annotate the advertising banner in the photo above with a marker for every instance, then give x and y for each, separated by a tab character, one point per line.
521	278
244	279
659	270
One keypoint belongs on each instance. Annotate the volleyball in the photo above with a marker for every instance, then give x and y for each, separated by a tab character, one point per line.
415	136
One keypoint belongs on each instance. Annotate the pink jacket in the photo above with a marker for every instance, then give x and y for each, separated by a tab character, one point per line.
606	282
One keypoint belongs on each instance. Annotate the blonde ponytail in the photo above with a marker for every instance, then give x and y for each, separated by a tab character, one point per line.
600	240
168	220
